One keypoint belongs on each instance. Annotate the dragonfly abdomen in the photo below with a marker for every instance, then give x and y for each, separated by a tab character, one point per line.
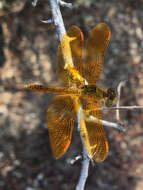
53	89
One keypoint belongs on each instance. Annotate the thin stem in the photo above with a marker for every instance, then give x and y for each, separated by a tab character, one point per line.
120	85
115	108
125	108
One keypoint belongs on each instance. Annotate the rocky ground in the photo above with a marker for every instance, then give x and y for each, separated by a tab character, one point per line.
27	54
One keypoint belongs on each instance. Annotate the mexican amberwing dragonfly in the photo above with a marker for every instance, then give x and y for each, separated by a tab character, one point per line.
79	70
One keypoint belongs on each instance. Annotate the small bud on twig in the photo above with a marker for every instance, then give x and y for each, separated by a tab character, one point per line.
49	21
64	4
34	3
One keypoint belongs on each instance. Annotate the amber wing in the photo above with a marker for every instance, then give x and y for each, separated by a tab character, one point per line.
69	57
92	132
97	43
60	118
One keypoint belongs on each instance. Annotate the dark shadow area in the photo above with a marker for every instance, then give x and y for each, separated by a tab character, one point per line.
2	56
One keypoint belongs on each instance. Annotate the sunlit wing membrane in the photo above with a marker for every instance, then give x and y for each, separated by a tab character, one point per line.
69	57
97	43
61	116
93	135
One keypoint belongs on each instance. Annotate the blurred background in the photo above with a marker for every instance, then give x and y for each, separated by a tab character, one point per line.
28	54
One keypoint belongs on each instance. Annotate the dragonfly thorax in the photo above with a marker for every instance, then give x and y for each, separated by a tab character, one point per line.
93	90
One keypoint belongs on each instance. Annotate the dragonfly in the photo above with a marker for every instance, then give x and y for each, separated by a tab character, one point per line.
78	68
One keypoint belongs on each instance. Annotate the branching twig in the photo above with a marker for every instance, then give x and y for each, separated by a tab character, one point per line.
57	18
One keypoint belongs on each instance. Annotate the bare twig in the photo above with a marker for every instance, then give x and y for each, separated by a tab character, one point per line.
84	170
120	85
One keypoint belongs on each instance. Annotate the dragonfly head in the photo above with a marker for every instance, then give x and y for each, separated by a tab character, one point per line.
111	96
